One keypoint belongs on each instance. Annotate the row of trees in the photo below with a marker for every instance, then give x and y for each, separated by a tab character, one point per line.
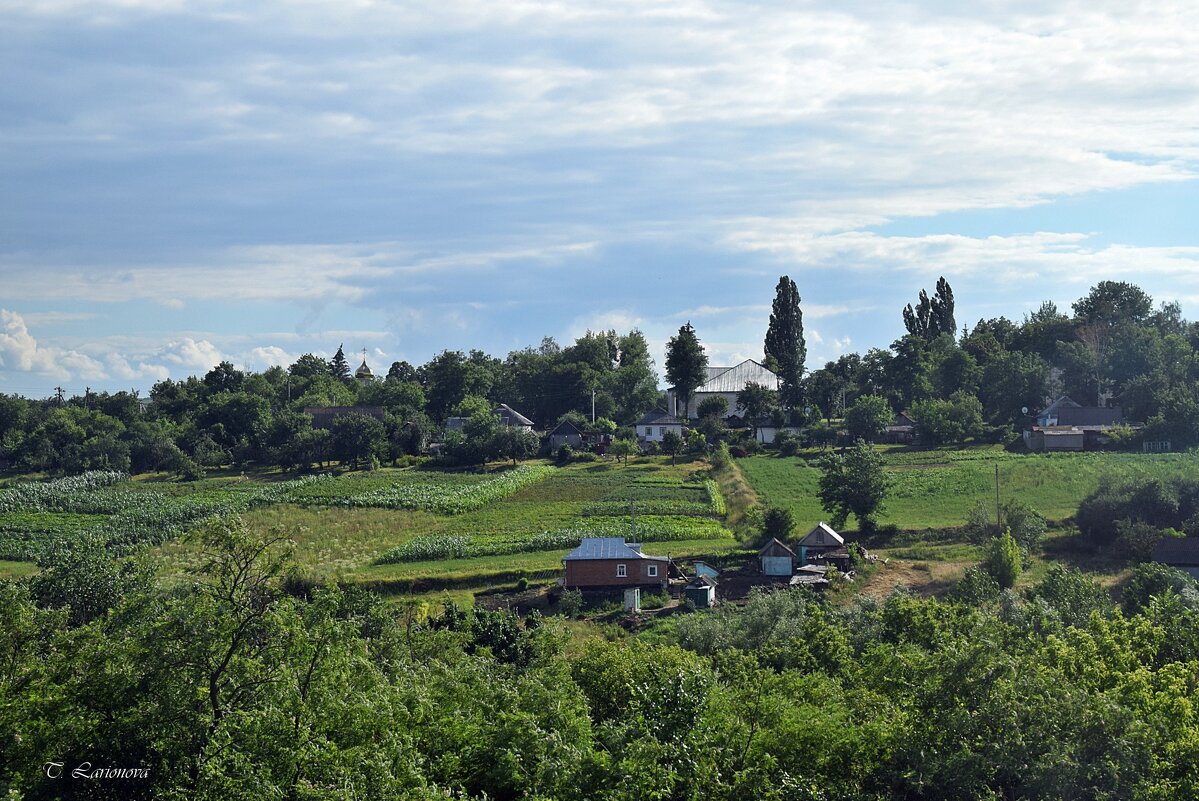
230	416
1115	348
248	682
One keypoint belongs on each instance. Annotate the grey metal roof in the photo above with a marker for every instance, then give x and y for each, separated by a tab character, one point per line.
510	415
1177	551
564	428
1089	416
658	417
610	548
775	548
822	534
734	379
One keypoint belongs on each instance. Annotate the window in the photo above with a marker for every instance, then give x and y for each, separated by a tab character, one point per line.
661	431
622	571
651	570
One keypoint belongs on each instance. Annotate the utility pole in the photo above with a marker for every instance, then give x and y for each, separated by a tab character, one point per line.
593	406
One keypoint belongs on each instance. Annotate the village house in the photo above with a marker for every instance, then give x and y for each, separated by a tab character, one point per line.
901	430
612	563
508	417
766	431
724	382
652	427
1068	426
819	541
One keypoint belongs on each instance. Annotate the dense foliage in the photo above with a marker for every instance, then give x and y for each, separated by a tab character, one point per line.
247	682
986	379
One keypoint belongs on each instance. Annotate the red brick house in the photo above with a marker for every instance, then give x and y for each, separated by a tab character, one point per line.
610	562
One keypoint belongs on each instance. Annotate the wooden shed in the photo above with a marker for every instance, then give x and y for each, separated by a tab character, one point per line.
821	539
701	591
777	559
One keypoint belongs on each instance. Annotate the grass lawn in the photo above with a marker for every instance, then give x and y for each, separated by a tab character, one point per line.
13	570
938	489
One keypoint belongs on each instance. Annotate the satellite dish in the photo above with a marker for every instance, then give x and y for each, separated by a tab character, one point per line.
1023	410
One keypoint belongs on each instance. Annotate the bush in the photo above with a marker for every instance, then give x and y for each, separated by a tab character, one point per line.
565	453
777	523
737	452
720	456
787	444
1150	580
1003	560
522	584
570	603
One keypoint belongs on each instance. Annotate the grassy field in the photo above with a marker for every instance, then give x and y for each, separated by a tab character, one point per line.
347	542
938	489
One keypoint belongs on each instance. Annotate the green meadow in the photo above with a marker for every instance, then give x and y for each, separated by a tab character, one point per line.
939	488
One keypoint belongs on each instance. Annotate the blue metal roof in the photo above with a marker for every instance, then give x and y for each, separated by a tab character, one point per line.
609	548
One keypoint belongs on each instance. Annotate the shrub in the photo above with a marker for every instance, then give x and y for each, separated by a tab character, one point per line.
570	603
777	523
720	455
1003	560
522	584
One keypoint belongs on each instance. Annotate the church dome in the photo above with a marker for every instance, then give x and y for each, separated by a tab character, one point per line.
363	372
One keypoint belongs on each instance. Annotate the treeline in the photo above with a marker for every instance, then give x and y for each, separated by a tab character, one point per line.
1115	348
247	682
233	417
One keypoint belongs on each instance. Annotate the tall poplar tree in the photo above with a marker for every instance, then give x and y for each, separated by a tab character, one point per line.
785	346
686	364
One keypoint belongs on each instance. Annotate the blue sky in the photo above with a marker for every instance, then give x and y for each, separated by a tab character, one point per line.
184	182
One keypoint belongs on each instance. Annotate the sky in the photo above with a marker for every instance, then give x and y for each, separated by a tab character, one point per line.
186	182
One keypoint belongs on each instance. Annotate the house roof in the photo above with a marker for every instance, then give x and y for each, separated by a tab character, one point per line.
364	371
702	581
566	428
822	534
902	420
775	548
815	570
1064	402
610	548
734	379
511	416
1088	416
659	417
1178	551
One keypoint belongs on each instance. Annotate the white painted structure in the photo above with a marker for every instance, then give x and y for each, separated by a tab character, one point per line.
725	382
654	425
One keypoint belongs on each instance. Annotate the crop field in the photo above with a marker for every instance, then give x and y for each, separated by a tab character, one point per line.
938	489
388	526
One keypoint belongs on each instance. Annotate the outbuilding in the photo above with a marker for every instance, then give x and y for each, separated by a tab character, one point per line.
820	540
777	559
701	591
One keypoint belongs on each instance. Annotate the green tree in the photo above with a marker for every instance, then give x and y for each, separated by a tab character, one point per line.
686	364
514	443
357	439
853	483
941	422
715	406
672	443
868	417
785	347
339	368
757	400
778	523
623	448
932	317
1003	560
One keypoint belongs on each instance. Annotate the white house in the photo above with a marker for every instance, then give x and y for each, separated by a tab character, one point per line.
654	425
725	382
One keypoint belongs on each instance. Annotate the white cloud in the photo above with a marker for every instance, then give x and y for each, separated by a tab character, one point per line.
191	355
266	356
21	352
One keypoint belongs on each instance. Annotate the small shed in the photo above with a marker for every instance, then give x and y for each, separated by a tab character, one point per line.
701	591
777	558
566	433
1179	552
821	539
901	430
